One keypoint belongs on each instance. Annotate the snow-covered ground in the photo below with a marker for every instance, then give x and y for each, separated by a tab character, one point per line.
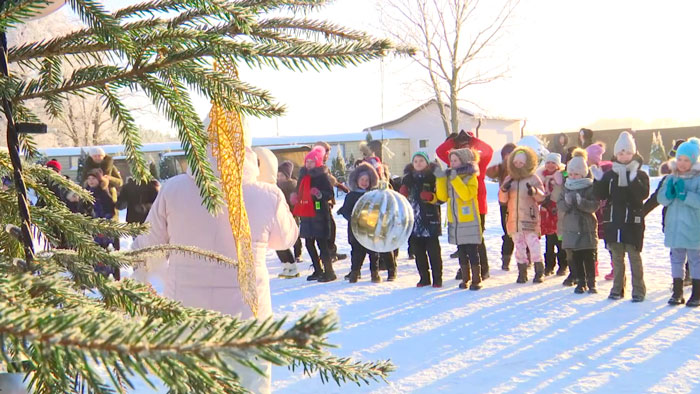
506	338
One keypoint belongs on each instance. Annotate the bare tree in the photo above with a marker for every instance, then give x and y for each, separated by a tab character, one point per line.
455	42
86	122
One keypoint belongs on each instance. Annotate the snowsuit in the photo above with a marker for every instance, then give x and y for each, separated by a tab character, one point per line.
578	227
358	252
623	220
424	241
682	232
523	223
548	219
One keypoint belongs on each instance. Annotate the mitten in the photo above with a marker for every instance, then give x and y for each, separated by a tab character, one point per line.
316	193
530	189
404	190
597	172
671	189
427	196
680	189
578	198
439	171
506	185
569	198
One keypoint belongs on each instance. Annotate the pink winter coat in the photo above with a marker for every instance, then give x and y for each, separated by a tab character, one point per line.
178	217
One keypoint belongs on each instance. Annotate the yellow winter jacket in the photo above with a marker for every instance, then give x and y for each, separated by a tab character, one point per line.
462	199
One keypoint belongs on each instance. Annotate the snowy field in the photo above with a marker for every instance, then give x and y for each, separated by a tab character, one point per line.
505	338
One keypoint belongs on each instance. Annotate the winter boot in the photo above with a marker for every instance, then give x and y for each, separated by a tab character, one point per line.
476	277
611	275
359	275
466	276
677	296
318	271
686	279
591	273
550	260
353	276
285	270
328	274
376	278
569	281
289	271
506	263
694	300
391	275
539	272
522	273
580	288
563	262
437	274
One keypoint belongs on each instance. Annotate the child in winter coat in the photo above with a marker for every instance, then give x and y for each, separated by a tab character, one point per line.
552	177
105	207
387	260
288	185
499	172
680	194
361	180
311	204
624	188
522	191
419	187
459	186
577	222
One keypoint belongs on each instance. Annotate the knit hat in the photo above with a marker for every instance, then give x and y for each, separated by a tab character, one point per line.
316	154
421	154
53	163
507	149
577	164
676	144
286	168
625	142
96	172
465	155
595	152
553	157
96	150
689	149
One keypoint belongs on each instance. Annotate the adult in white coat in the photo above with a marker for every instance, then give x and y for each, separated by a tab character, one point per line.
178	217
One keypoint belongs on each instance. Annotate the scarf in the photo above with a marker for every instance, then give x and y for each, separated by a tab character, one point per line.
578	184
621	171
305	207
467	169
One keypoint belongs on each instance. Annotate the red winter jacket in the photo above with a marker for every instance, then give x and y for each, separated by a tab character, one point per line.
485	153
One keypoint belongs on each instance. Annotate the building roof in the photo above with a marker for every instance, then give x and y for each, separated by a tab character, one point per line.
423	106
281	143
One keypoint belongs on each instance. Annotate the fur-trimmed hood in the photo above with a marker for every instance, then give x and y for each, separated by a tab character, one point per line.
363	168
528	169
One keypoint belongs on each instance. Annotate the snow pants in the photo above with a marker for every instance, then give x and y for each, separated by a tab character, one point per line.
427	249
524	241
678	260
618	251
358	254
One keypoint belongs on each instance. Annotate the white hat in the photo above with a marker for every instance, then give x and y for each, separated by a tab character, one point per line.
96	150
553	157
577	165
625	142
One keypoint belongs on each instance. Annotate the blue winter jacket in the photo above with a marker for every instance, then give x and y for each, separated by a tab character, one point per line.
682	216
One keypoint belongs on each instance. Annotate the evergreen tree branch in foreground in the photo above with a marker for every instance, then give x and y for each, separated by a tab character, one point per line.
73	330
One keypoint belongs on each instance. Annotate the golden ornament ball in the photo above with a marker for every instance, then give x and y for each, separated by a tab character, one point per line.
382	220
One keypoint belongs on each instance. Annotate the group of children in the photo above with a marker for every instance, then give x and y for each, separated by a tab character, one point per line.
572	205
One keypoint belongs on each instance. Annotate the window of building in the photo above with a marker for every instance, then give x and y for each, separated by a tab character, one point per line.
422	143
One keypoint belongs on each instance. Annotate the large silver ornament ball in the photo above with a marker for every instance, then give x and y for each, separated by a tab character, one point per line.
382	220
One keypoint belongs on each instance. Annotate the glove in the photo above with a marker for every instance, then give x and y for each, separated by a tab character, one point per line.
671	189
578	199
294	199
530	189
404	190
316	193
597	172
680	189
427	196
569	198
439	171
462	139
506	185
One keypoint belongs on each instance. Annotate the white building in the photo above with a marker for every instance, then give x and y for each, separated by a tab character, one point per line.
423	126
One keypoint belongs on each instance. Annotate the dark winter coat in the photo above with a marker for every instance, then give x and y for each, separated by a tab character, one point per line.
578	225
587	138
556	147
356	193
652	202
105	205
318	226
137	199
426	213
288	187
107	167
623	214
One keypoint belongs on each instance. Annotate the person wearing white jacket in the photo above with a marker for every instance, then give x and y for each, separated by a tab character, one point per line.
178	217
